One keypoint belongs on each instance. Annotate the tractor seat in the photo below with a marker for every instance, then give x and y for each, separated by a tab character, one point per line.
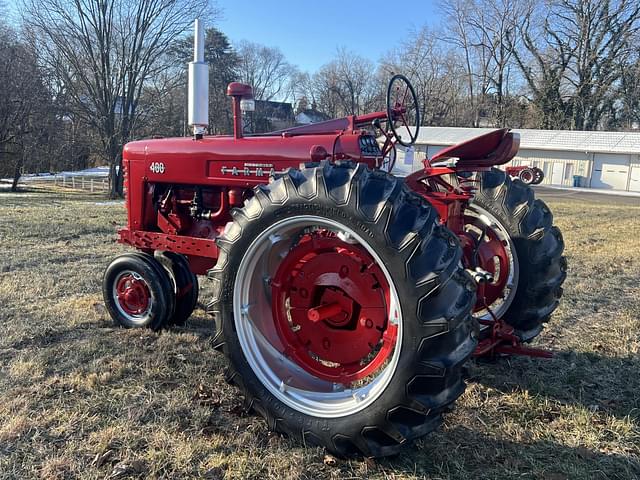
493	148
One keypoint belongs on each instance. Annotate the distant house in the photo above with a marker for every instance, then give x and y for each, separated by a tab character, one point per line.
269	116
310	115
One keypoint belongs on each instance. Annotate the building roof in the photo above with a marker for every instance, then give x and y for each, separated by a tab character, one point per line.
311	115
566	140
274	110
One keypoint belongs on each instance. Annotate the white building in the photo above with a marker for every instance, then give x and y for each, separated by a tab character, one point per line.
609	160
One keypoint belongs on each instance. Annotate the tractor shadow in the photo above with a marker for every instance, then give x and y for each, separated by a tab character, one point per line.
463	453
596	382
200	324
533	393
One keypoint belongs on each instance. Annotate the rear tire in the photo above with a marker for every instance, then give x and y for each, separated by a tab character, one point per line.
422	263
539	176
538	247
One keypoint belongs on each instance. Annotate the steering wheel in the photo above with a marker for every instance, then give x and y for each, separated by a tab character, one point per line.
403	114
389	158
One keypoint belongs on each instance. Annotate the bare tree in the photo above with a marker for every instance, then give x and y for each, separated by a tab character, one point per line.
103	52
484	33
24	103
324	88
457	14
347	85
576	53
264	68
493	24
436	73
628	116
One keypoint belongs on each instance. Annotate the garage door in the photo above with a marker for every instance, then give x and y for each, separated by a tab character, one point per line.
634	179
610	171
557	173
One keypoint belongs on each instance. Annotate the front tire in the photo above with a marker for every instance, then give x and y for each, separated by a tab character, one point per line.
137	292
185	285
404	253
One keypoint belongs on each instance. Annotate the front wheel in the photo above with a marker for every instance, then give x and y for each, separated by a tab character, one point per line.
184	283
527	176
137	292
343	309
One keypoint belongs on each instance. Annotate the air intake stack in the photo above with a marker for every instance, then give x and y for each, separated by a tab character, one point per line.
198	85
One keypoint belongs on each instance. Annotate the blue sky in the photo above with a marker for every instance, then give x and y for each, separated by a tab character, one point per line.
309	33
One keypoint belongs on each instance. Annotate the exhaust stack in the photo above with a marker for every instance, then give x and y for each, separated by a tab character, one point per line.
198	85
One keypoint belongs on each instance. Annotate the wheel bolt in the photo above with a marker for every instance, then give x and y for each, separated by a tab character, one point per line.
344	271
326	343
366	322
304	293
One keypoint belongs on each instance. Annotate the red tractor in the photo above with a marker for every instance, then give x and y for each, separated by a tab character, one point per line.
528	175
347	299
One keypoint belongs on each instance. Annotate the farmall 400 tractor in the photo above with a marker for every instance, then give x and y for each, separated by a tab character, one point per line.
346	299
528	175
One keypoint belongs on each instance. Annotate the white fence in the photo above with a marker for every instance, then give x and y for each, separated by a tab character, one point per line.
90	184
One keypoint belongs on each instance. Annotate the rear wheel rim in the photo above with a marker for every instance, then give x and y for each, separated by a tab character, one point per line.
500	260
267	328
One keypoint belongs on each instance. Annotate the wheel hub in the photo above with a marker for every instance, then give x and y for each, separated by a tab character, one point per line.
526	176
330	308
133	294
487	246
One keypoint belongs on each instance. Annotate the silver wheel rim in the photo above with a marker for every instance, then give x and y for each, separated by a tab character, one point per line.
500	306
527	176
133	320
284	379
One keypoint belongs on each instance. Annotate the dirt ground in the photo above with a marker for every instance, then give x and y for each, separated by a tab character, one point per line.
82	399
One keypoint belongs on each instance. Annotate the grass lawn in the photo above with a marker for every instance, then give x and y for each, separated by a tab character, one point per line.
82	399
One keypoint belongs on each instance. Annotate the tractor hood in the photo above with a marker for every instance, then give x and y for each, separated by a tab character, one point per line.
258	149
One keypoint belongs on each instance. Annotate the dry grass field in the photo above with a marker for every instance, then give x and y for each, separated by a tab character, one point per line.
82	399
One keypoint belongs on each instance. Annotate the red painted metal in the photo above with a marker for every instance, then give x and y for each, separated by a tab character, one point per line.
488	253
330	305
515	171
529	175
493	148
180	191
238	91
133	294
325	312
503	341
